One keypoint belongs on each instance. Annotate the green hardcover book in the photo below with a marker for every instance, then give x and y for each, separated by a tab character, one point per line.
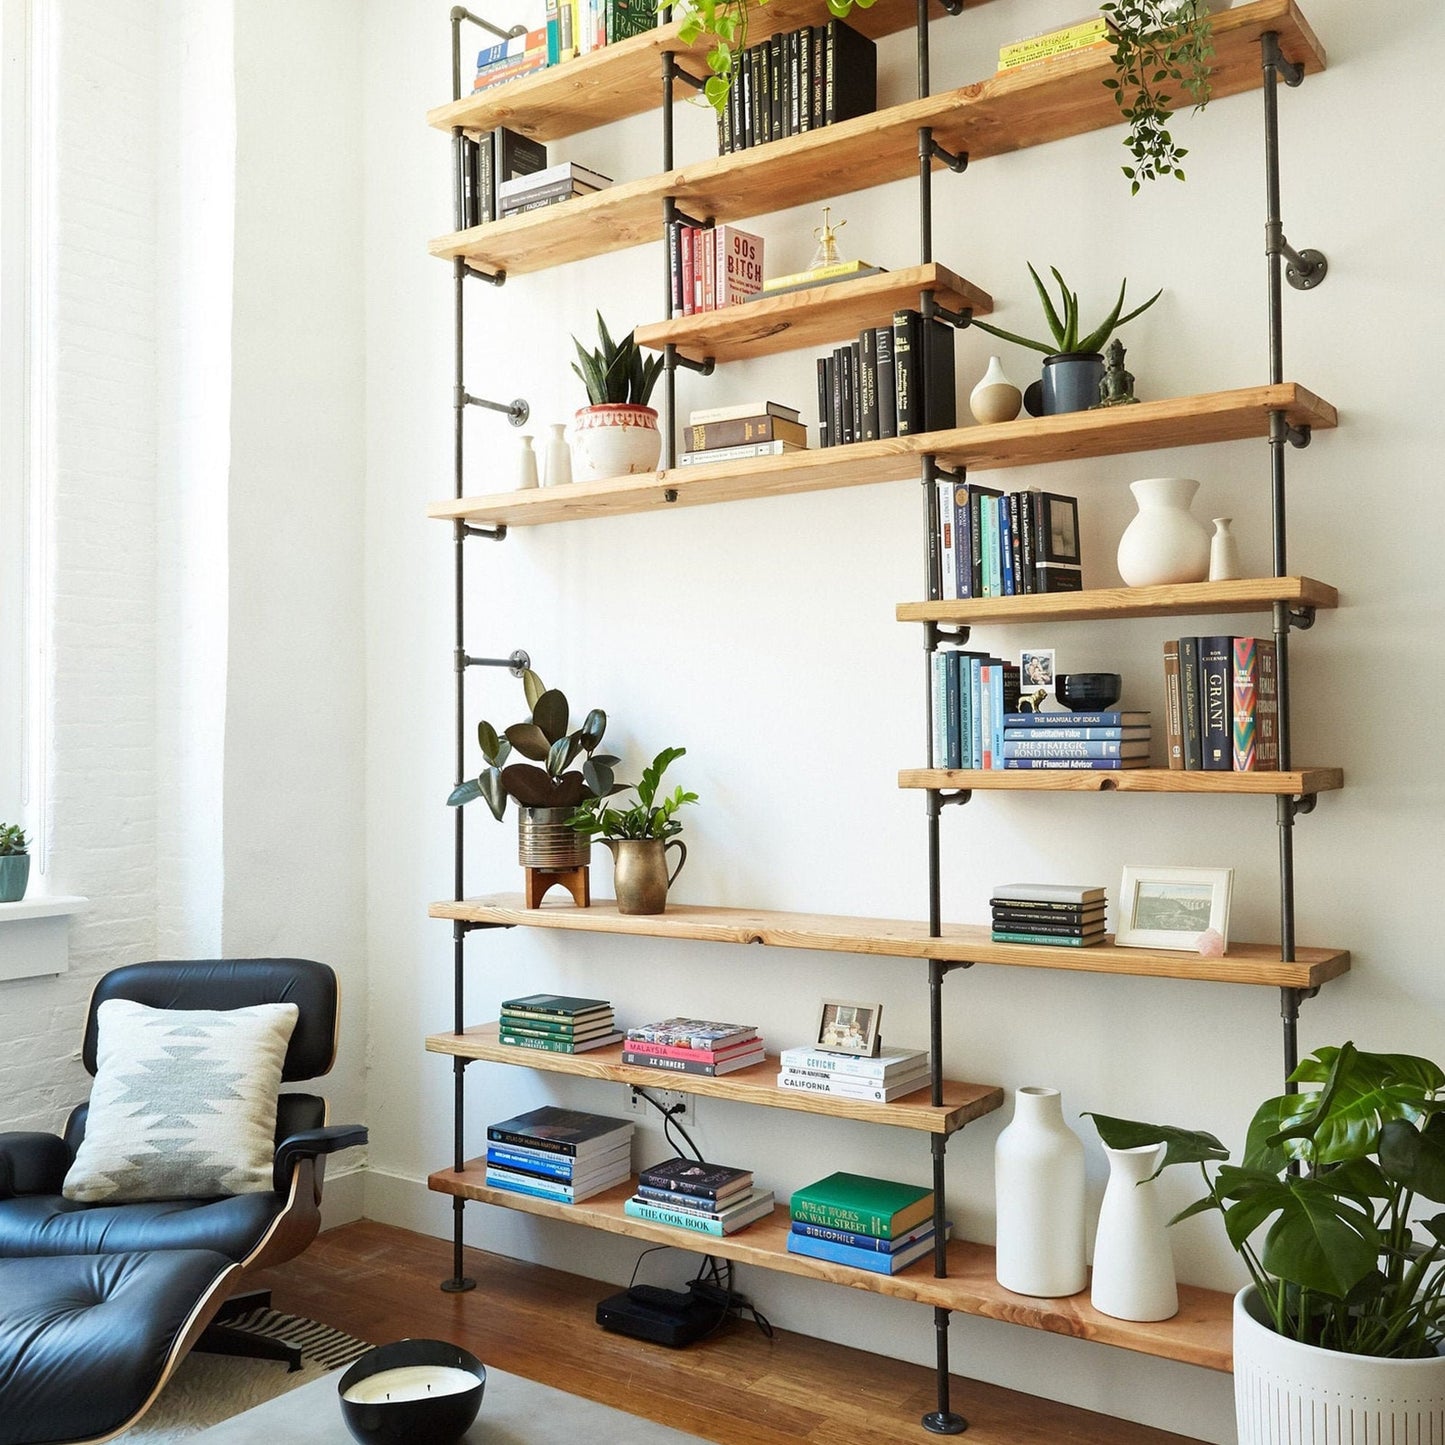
556	1028
1059	939
629	17
882	1208
564	1005
558	1046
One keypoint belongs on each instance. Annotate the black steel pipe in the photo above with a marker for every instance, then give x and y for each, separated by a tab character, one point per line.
944	1420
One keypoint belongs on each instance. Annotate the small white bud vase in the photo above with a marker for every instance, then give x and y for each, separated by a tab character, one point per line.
1039	1191
526	465
995	398
556	457
1165	542
1223	552
1133	1260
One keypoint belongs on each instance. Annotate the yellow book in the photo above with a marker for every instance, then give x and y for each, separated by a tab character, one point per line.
820	273
1068	37
1034	56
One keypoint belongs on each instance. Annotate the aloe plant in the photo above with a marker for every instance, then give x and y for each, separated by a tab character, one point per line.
648	817
616	374
1063	320
13	840
544	738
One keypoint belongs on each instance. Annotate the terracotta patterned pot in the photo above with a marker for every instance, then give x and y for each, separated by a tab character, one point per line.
614	441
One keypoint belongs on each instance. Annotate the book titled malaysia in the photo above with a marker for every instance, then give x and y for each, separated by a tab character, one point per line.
754	1205
875	1261
583	1045
698	1056
695	1176
858	1202
665	1064
804	1082
693	1033
886	1065
562	1131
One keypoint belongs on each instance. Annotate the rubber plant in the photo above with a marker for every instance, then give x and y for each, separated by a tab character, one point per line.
648	817
1338	1172
549	780
1063	320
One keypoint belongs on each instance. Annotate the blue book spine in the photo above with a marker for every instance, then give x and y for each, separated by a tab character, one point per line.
1216	719
965	713
975	689
1018	733
940	711
539	1190
1076	719
868	1259
995	710
555	1167
1106	763
1063	748
862	1241
1006	549
954	749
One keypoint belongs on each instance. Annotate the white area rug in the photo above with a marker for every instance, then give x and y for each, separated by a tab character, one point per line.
207	1389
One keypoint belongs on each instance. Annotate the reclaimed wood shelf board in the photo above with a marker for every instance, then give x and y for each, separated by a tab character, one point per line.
1292	783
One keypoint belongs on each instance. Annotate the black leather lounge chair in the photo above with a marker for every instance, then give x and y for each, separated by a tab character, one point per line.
100	1302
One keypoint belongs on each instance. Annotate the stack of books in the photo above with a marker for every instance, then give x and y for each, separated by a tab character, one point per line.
873	387
873	1224
988	543
801	81
514	57
1221	704
573	27
1105	741
748	429
881	1079
500	155
712	266
693	1046
705	1198
1092	33
559	1154
557	1023
548	187
973	695
1052	913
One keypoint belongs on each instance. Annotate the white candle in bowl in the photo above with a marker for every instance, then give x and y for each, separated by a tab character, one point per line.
410	1382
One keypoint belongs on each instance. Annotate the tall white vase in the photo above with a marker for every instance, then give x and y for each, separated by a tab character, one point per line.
1223	551
1133	1261
556	457
1164	543
1039	1187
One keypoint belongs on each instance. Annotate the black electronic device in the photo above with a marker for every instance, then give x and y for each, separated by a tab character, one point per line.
664	1316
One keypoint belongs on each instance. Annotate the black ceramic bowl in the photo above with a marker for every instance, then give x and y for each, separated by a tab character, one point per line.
440	1419
1088	691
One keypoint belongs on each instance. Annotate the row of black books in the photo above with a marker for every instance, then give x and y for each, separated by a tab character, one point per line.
883	384
1221	704
703	1198
1099	741
557	1023
693	1046
489	162
987	543
1056	914
565	1155
749	429
797	82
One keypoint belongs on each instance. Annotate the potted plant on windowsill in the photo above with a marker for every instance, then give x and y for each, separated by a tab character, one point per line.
14	862
639	836
1347	1300
617	434
1073	363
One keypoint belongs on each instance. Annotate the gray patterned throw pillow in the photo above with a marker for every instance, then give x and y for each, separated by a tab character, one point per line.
184	1103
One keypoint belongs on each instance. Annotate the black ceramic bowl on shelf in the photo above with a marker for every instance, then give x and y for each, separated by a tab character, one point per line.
1088	691
412	1391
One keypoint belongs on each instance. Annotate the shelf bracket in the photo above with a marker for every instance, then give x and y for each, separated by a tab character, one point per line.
463	530
463	926
492	278
1302	617
518	663
952	636
1274	59
947	798
952	7
703	368
689	79
956	161
1299	806
516	411
669	494
676	215
959	319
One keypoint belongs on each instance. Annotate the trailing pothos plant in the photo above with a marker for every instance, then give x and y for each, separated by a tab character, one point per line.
1338	1172
1161	47
545	739
650	816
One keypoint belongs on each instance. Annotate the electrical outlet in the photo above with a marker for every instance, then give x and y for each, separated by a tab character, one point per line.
669	1099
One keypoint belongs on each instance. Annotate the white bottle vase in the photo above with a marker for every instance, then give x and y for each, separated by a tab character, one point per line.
1039	1188
526	464
1133	1261
1164	543
1223	552
556	457
995	398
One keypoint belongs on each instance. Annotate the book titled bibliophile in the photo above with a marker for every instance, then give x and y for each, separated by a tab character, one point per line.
875	1261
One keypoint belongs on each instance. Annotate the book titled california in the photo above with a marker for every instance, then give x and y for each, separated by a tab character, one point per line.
864	1205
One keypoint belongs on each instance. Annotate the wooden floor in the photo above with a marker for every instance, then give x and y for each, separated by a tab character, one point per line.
381	1284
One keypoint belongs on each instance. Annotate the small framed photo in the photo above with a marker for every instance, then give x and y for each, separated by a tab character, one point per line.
1175	908
1036	670
845	1027
1058	534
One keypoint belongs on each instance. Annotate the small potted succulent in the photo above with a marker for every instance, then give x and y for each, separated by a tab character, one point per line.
1346	1308
616	435
639	836
548	788
1073	362
14	862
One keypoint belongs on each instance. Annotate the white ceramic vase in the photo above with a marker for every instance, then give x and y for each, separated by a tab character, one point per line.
1039	1188
1286	1393
1133	1261
1165	542
556	457
614	441
526	464
1223	551
995	398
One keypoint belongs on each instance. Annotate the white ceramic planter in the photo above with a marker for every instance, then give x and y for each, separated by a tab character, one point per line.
1286	1393
614	441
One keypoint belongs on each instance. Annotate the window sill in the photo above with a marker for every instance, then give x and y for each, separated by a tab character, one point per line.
35	936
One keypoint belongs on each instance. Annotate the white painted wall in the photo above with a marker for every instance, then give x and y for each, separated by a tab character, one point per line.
760	635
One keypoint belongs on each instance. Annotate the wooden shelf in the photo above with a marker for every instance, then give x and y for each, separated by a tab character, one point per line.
626	78
1024	107
1200	1334
1296	782
1219	416
1190	599
1252	963
756	1085
816	316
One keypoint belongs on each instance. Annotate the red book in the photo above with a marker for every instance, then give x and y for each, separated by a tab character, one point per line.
697	1056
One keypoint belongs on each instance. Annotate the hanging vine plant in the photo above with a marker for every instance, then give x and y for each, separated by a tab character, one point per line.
1161	47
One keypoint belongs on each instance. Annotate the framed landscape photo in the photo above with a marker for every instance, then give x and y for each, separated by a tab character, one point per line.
1179	908
1058	533
845	1027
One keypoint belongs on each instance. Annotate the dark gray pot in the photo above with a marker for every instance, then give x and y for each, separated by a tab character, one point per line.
1070	382
14	875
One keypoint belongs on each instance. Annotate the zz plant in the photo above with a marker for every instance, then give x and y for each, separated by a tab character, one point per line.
650	816
1339	1172
616	373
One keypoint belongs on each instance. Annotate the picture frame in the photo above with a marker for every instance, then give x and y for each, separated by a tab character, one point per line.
1058	529
1175	908
1036	671
846	1026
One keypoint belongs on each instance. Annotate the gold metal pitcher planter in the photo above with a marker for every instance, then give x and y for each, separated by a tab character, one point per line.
640	872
